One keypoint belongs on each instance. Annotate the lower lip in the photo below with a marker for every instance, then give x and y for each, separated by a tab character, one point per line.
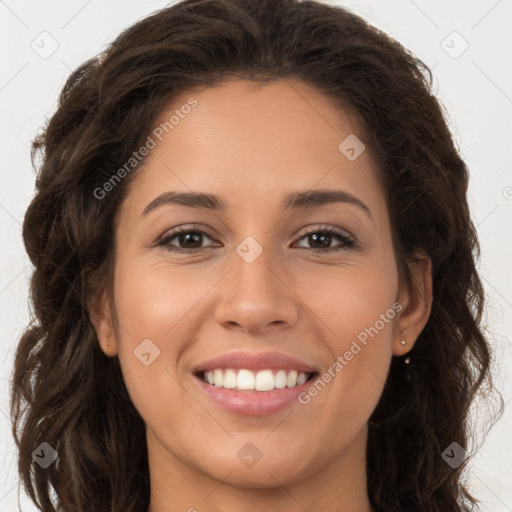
253	403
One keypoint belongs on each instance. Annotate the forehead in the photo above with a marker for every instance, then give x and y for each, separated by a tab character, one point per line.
250	142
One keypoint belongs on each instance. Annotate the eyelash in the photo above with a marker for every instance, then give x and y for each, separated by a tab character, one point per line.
347	241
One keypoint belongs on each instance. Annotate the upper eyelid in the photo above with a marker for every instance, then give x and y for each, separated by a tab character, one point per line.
323	227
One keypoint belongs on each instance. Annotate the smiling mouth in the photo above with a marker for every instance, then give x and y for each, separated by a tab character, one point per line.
255	380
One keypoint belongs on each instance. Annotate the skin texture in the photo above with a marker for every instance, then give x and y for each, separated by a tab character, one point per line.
251	144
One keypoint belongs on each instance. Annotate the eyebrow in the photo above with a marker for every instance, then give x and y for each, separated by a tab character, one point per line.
294	200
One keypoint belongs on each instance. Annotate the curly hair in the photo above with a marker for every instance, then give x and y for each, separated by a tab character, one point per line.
66	392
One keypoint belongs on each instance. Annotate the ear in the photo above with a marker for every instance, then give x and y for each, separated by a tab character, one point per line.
100	313
416	299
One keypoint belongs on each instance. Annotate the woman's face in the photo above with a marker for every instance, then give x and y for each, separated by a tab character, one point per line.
264	294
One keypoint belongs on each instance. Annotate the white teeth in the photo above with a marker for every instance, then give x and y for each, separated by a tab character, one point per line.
280	379
263	380
301	378
291	379
245	380
218	378
230	380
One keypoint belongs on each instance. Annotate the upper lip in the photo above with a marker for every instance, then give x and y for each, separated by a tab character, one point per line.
254	361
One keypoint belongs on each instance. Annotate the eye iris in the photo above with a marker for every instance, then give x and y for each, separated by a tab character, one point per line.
315	237
190	236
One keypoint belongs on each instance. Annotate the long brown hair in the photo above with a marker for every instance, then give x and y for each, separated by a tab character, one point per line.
67	393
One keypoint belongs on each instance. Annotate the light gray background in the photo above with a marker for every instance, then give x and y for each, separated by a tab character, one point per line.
475	87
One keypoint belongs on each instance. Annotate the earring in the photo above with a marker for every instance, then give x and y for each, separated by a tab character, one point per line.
402	342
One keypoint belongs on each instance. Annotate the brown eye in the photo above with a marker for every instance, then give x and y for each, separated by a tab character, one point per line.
184	240
321	239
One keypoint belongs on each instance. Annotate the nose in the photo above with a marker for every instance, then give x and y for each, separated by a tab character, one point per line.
257	297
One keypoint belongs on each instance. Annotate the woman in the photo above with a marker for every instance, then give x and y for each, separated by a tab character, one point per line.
255	283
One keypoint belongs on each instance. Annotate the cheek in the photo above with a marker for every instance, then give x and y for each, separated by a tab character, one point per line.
154	299
358	312
350	298
153	305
